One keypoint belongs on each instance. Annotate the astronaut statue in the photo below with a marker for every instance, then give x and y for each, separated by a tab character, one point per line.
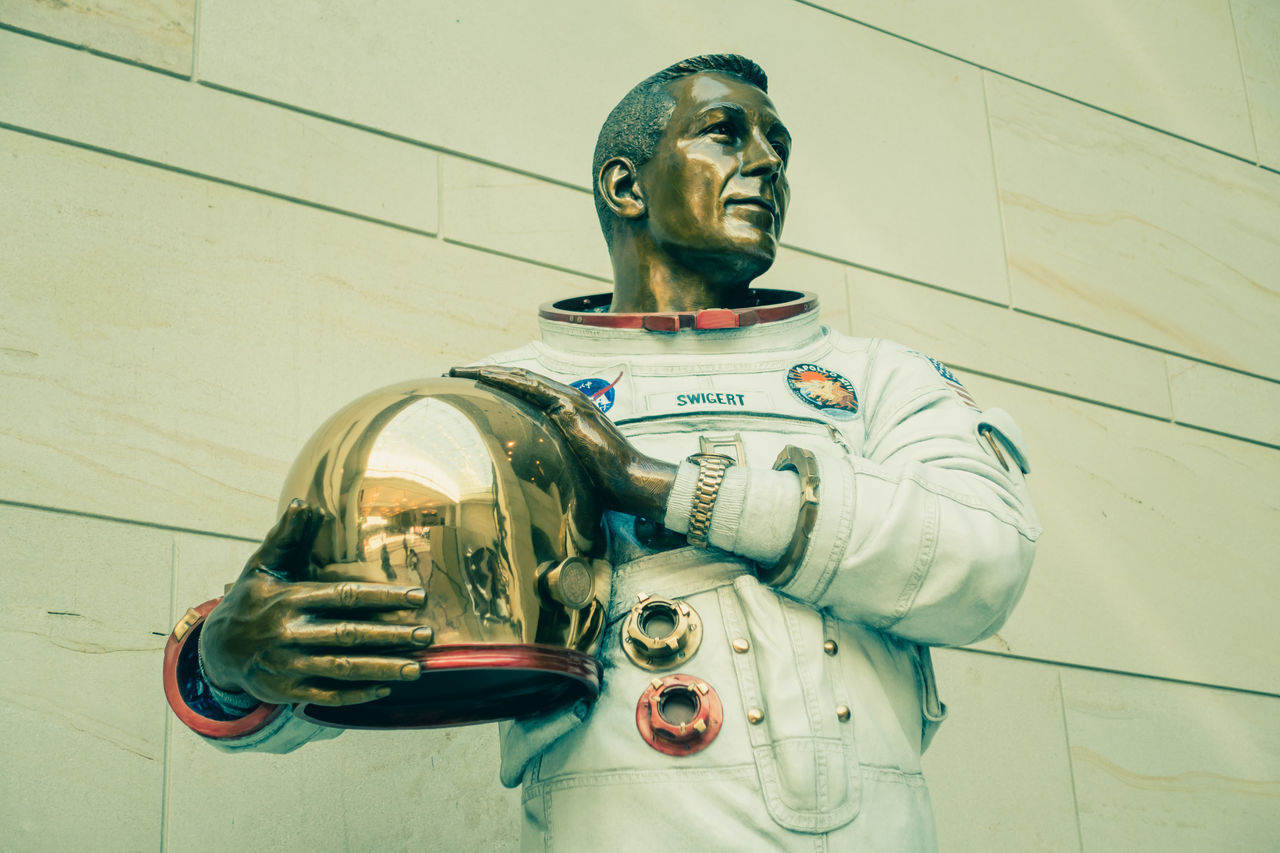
793	517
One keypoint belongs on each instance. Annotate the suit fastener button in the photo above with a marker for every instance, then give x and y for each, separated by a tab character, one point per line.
842	713
830	647
740	645
755	716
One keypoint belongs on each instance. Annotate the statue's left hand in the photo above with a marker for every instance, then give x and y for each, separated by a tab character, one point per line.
629	480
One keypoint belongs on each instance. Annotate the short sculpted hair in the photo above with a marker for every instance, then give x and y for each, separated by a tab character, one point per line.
634	127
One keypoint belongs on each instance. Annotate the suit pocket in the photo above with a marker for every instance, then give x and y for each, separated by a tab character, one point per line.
805	756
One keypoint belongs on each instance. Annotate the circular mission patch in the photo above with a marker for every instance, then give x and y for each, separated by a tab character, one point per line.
823	389
600	391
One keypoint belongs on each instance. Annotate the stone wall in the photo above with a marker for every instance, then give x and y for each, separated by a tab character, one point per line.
223	219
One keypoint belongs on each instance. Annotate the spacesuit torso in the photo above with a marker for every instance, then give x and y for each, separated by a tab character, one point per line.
825	687
815	700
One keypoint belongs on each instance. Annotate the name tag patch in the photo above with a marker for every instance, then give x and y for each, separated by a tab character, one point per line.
824	389
702	400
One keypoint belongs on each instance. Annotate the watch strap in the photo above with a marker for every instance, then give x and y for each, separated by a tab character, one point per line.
711	468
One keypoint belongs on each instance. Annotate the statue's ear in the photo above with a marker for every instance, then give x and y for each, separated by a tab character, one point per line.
620	188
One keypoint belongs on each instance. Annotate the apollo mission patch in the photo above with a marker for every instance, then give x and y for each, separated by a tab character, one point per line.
823	389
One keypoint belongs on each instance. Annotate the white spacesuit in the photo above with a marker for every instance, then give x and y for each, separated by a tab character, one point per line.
821	691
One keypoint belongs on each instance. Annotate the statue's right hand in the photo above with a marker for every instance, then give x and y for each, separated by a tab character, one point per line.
270	636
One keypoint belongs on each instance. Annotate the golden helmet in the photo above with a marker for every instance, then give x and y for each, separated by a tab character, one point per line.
472	495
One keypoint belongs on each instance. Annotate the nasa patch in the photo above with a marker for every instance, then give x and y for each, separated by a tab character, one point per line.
823	389
599	391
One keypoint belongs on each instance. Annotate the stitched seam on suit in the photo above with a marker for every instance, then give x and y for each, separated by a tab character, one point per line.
924	561
847	731
625	605
943	492
640	369
641	777
835	555
932	393
881	773
809	692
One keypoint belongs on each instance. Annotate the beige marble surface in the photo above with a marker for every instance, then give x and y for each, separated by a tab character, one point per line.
159	33
1171	767
391	790
169	343
1173	67
892	164
898	176
1158	555
74	95
523	216
1258	35
1127	231
1224	400
82	715
972	335
998	769
795	270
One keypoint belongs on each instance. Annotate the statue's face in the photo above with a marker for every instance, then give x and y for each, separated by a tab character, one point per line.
716	188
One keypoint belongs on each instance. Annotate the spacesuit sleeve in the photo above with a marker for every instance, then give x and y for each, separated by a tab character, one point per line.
929	534
259	728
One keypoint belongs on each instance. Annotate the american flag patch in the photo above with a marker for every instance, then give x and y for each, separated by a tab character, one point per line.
953	383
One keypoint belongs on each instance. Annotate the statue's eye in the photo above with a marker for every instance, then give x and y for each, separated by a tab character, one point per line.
720	128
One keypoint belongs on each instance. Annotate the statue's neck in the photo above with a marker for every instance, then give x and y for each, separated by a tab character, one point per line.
645	280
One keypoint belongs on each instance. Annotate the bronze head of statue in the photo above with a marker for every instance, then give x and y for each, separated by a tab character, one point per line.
690	185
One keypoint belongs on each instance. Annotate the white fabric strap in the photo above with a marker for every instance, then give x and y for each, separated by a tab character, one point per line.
755	513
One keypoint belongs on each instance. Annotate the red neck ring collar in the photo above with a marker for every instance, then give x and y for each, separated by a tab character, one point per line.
770	306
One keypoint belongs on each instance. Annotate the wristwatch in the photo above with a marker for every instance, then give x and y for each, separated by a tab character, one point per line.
711	468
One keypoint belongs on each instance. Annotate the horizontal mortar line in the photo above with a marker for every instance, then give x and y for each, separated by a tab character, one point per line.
136	63
1236	436
1095	402
526	260
572	186
1045	389
1109	671
995	303
97	516
1009	76
191	173
1058	320
398	137
1145	345
973	298
813	253
584	189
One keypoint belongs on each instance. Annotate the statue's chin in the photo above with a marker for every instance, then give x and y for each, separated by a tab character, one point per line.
750	265
730	267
